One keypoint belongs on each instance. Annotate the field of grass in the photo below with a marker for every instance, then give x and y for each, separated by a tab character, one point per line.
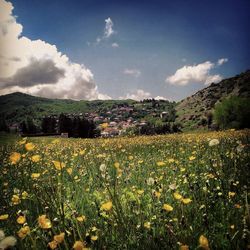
186	191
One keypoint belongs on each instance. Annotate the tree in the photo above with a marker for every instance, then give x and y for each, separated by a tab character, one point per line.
31	127
233	112
3	124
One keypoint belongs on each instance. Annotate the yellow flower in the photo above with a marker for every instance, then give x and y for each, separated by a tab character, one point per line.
184	247
23	232
24	195
59	238
35	158
69	171
94	237
167	207
147	224
15	157
59	165
186	200
107	206
214	142
4	217
157	194
160	163
15	199
29	146
81	218
177	196
21	219
231	194
116	164
204	242
79	245
191	158
35	175
52	244
44	222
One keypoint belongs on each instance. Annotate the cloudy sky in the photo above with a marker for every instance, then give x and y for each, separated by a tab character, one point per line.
98	49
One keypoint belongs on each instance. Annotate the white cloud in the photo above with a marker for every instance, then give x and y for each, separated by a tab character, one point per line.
197	73
37	67
160	98
108	30
115	45
138	95
132	72
222	61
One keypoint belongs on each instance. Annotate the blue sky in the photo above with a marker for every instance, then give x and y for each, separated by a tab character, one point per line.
149	41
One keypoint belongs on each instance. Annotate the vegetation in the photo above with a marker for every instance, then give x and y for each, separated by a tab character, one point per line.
186	191
233	112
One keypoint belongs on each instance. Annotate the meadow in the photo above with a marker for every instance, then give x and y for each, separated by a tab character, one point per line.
184	191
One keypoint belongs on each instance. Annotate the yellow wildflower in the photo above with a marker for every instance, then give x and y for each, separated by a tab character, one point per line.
79	245
204	242
160	163
15	157
81	218
186	200
35	158
24	195
35	175
23	232
69	171
29	146
52	244
94	237
147	224
4	217
107	206
231	194
177	196
21	219
59	165
59	238
167	207
184	247
15	199
44	222
116	164
191	158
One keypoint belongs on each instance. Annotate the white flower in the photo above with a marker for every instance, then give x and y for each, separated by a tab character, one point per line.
214	142
150	181
103	168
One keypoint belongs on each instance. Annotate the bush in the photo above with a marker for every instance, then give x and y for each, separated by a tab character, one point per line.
233	112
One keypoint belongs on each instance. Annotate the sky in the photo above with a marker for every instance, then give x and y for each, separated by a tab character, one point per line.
98	49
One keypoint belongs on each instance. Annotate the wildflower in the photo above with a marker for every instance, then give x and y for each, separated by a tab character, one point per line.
160	163
35	158
203	242
81	218
94	237
79	245
177	196
157	194
167	207
107	206
237	206
4	217
150	181
186	200
24	195
23	232
44	222
69	171
21	219
147	225
59	238
116	164
35	175
232	227
213	142
59	165
15	199
15	158
231	194
8	242
103	167
191	158
29	146
53	244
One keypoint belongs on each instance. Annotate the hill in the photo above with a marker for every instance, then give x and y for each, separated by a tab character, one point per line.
194	111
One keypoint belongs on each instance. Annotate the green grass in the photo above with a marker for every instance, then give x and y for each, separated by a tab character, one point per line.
138	176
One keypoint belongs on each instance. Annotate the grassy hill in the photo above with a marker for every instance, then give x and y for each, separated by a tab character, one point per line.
193	110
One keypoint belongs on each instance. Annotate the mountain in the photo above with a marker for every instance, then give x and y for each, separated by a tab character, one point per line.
194	110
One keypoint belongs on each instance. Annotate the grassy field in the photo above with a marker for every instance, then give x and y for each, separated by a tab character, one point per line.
186	191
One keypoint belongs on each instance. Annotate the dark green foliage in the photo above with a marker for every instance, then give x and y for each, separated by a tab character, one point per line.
233	112
3	124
